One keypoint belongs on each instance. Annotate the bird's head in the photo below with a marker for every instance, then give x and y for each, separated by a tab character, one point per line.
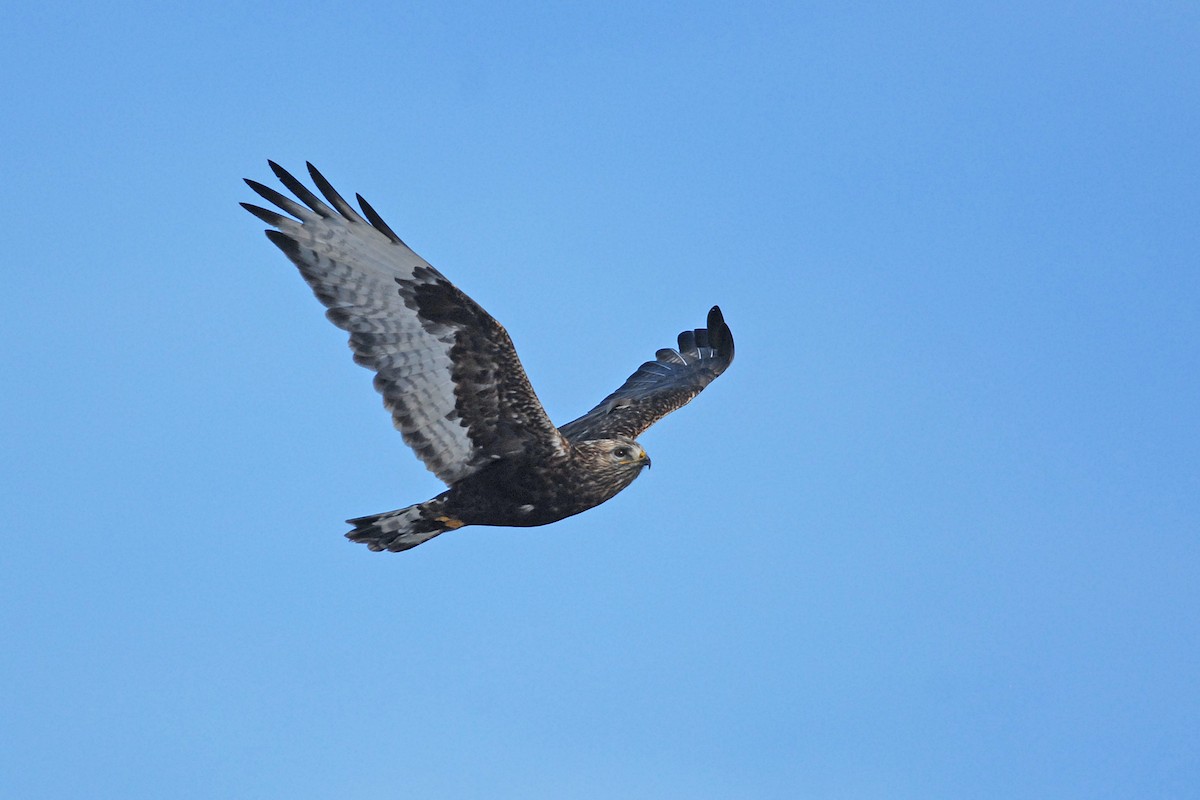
613	463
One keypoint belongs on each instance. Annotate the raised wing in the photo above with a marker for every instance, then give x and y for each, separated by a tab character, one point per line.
447	371
660	386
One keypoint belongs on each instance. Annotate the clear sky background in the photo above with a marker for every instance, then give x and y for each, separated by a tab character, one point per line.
936	533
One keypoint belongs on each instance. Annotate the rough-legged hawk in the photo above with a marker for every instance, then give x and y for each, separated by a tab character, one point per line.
457	392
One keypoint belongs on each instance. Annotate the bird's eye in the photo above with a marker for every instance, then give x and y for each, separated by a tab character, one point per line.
621	452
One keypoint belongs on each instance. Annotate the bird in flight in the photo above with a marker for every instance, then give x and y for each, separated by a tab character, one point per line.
452	381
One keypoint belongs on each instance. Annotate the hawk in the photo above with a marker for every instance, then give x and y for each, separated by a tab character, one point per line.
452	381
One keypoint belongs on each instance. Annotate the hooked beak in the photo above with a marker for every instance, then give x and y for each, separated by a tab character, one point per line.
646	459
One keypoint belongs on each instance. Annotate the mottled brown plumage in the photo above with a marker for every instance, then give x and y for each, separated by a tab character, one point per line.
452	381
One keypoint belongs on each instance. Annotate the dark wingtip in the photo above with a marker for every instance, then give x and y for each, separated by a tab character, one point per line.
377	221
265	214
300	190
720	338
331	194
263	191
284	242
315	174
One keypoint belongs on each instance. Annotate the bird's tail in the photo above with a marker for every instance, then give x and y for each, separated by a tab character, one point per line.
404	528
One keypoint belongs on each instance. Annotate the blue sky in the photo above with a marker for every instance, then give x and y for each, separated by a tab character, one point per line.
934	533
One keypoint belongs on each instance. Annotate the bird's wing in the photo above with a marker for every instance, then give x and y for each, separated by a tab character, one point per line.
447	371
660	386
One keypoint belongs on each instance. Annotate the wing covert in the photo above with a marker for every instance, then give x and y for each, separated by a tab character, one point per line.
661	386
448	372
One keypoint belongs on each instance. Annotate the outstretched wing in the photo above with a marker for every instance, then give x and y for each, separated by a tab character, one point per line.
447	371
660	386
